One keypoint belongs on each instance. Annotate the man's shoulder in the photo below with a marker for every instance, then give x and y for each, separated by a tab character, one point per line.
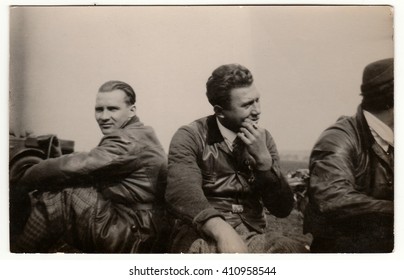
339	134
143	135
343	124
192	134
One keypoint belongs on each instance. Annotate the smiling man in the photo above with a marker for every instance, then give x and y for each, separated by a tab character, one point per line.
106	200
223	170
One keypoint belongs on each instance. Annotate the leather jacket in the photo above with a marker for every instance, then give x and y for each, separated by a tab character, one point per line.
128	172
352	182
205	179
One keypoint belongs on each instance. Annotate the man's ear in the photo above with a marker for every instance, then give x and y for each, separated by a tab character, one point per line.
132	110
218	111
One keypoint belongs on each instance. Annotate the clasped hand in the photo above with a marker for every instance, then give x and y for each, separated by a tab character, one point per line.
254	138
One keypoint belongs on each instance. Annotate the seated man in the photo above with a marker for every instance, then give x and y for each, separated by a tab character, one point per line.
105	200
223	170
351	190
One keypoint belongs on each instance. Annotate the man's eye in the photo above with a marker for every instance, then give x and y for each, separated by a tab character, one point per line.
98	110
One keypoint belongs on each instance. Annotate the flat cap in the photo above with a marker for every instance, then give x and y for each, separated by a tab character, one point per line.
378	85
376	75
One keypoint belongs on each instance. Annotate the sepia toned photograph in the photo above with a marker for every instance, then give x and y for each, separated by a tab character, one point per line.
252	129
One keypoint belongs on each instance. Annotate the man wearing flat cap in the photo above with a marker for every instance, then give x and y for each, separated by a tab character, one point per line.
351	192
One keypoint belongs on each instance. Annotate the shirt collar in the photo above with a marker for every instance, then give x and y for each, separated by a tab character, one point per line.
382	133
228	135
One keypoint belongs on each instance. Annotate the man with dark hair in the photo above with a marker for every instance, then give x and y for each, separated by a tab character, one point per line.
223	170
351	189
103	201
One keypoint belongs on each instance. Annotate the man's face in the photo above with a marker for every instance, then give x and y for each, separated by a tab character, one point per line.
111	110
244	104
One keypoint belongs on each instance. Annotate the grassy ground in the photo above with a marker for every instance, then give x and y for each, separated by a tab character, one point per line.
291	226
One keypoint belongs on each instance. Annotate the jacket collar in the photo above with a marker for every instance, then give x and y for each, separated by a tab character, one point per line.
132	121
363	128
213	135
367	139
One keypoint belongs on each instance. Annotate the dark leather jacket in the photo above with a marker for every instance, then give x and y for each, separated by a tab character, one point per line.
128	170
352	182
205	180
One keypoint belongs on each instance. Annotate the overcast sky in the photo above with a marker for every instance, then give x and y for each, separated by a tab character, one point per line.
307	63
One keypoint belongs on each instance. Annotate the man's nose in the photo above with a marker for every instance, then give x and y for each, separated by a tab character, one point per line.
256	108
105	115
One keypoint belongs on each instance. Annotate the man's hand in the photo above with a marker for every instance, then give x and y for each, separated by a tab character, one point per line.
254	139
227	239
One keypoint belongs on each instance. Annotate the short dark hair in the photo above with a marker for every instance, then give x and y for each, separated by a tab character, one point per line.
127	89
223	80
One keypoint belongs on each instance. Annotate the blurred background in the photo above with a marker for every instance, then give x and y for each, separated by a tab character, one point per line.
307	62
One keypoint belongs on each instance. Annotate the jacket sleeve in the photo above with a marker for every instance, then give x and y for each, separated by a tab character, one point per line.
111	157
184	193
275	191
333	191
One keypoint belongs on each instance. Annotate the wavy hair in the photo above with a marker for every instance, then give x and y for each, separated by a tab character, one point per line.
223	80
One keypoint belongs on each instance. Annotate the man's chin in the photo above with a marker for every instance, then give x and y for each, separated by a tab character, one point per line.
106	131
